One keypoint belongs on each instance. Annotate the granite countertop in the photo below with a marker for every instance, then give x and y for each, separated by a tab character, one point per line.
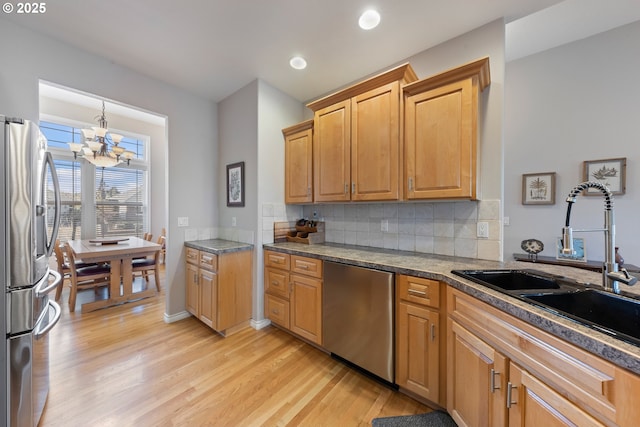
218	246
439	267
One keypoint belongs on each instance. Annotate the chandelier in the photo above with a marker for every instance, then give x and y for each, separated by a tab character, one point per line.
101	147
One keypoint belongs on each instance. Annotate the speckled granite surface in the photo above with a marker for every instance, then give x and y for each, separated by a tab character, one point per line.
218	246
439	268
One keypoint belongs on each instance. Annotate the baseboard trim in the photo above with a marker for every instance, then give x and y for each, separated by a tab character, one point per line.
175	317
259	324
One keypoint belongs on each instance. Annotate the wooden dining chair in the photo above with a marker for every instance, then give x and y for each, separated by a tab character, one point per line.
162	241
147	266
89	277
62	262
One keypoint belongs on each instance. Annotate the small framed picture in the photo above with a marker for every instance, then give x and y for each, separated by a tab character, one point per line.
539	188
610	172
235	184
579	248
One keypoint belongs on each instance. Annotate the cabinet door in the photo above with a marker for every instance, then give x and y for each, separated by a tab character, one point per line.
440	135
418	351
306	308
375	144
192	289
208	298
476	380
532	403
332	153
298	171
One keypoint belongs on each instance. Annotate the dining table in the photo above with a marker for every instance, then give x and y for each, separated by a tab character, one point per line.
119	252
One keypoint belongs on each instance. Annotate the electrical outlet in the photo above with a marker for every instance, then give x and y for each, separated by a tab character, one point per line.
233	221
506	220
384	225
483	229
183	221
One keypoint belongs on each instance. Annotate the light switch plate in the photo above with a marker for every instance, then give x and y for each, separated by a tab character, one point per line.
183	221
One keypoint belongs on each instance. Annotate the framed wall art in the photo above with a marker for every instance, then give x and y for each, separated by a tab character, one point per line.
235	184
539	188
610	172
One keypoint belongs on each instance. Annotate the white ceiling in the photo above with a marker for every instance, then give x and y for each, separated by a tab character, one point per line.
215	47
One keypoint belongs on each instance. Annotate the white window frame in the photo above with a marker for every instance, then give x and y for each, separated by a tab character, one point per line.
89	172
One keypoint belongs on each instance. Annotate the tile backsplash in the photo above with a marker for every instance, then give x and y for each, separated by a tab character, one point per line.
444	228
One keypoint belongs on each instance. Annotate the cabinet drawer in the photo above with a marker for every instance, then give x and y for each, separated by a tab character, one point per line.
277	310
276	282
193	256
208	261
277	260
307	266
419	291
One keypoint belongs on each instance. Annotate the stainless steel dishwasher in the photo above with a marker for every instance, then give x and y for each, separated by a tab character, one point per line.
357	317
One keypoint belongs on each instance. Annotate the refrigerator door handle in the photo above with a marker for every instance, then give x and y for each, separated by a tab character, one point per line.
41	330
48	161
52	286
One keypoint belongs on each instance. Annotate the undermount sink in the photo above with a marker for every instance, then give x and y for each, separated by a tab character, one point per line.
615	315
511	280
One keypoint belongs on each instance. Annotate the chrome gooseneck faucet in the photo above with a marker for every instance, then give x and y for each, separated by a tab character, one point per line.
610	274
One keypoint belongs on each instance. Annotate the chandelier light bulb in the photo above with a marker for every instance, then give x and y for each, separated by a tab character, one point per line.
369	19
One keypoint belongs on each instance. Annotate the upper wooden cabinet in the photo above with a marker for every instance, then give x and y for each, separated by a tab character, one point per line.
356	139
441	133
298	165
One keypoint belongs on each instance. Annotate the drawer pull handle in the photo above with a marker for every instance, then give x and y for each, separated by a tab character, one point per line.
275	283
510	387
303	266
207	259
275	311
494	386
416	292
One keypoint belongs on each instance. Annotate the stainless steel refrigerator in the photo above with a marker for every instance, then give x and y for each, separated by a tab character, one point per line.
29	217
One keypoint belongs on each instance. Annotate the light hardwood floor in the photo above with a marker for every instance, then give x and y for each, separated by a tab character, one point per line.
124	366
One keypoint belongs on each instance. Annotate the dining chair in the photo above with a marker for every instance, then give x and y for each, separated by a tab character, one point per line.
88	277
64	270
147	266
162	241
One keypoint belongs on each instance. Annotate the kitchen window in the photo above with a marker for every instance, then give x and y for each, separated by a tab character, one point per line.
99	202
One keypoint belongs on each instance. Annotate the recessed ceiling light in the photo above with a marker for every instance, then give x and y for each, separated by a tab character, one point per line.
369	19
298	63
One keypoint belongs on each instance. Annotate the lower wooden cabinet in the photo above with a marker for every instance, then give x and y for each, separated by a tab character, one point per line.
477	380
293	294
219	287
418	336
504	372
532	403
